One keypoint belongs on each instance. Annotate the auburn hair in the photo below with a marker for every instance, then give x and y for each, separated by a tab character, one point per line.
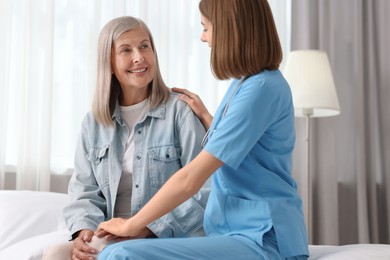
244	37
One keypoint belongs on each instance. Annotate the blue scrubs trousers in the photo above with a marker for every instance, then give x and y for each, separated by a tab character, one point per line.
195	248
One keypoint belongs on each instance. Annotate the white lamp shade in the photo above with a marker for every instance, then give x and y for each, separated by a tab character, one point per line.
310	78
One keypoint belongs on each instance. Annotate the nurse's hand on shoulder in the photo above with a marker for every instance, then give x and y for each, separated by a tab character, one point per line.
196	104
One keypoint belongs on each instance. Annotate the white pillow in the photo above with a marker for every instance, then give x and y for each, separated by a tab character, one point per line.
24	214
33	247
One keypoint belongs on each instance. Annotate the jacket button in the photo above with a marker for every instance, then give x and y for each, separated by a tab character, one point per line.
138	157
139	131
167	156
137	186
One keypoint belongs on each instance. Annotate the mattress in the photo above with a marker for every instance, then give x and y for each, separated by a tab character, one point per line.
31	221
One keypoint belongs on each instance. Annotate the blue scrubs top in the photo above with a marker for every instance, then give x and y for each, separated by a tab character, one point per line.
254	191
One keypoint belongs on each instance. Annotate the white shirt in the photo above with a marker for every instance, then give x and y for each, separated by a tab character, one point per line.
132	115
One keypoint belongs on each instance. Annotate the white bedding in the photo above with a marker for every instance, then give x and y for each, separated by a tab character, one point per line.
30	221
350	252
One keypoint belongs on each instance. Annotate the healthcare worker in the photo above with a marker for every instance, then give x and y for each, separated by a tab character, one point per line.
254	210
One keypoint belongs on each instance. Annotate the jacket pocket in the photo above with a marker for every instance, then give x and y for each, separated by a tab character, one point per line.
163	162
98	156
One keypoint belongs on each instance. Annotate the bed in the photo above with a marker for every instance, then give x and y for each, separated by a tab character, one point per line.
30	221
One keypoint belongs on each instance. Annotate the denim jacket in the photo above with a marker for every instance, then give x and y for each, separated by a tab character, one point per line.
166	139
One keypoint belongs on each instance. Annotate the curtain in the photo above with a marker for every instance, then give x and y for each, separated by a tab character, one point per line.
48	63
47	73
25	79
350	152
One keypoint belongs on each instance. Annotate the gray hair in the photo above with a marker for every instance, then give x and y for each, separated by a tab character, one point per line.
107	86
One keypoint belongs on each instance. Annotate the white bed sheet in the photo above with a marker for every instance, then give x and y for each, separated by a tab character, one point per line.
350	252
31	221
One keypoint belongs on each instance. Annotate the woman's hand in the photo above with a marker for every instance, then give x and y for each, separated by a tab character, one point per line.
196	105
120	227
80	249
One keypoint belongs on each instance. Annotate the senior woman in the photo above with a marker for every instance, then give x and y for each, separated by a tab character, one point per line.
138	134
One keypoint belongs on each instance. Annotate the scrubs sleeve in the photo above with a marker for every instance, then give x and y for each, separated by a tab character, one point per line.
257	105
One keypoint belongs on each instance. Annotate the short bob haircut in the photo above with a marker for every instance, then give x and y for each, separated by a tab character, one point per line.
107	86
244	37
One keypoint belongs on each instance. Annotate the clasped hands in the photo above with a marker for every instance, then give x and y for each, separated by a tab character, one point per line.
116	229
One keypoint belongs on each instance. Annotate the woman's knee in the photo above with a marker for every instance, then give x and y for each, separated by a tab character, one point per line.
60	251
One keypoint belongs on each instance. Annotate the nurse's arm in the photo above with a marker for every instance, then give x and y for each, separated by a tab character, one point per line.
180	187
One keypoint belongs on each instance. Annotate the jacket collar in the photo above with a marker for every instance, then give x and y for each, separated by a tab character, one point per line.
157	112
